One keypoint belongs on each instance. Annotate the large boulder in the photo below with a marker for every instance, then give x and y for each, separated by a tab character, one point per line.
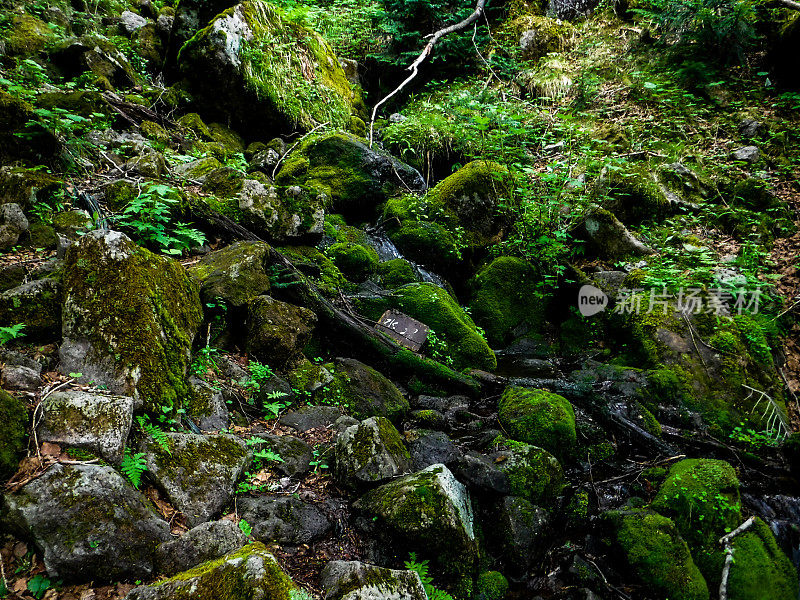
282	215
98	423
236	273
264	72
370	452
13	421
88	522
197	472
532	472
285	519
355	177
207	541
520	532
538	417
368	392
609	238
277	331
655	551
251	573
37	304
129	319
429	512
27	187
353	580
13	223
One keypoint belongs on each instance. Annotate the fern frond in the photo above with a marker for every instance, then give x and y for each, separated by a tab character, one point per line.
133	466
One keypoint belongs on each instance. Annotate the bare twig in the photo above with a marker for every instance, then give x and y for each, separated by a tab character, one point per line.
790	4
726	541
776	419
426	52
285	154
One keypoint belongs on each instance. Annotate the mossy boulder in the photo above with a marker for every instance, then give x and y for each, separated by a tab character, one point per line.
505	296
368	393
538	35
429	244
370	452
129	319
27	36
277	331
396	272
538	417
434	307
760	569
13	421
533	473
27	187
223	182
97	54
282	214
197	472
88	522
490	585
472	199
608	238
519	531
15	115
37	305
236	273
654	549
197	170
246	574
355	177
701	496
266	72
356	262
429	512
351	580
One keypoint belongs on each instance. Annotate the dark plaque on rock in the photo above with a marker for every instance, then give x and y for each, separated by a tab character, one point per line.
403	329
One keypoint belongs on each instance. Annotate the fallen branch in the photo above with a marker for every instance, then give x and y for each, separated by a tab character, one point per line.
791	4
426	52
726	541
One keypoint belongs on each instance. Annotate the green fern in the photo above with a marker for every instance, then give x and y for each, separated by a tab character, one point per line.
421	569
133	465
155	433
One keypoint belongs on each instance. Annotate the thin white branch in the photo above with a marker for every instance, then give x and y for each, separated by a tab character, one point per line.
791	4
726	541
426	52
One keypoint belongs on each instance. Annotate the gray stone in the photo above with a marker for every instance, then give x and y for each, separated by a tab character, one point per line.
209	408
289	215
236	273
750	128
432	448
283	519
199	472
277	331
454	408
521	531
481	473
88	522
20	378
296	454
610	238
37	304
250	572
748	154
131	22
205	542
369	393
353	580
370	452
311	417
13	223
99	423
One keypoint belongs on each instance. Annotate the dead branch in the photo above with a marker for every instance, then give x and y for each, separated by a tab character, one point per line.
791	4
426	52
726	541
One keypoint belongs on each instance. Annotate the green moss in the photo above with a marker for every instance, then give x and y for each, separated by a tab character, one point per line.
194	124
355	261
13	421
760	570
754	194
427	243
329	278
655	550
538	417
396	272
702	498
363	442
142	310
533	473
505	296
490	585
27	187
224	182
437	309
550	34
27	36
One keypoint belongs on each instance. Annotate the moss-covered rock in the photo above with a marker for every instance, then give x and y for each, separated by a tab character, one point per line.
434	307
27	187
538	417
281	214
505	297
356	262
370	452
430	244
538	35
702	497
129	319
760	569
609	238
197	169
355	177
490	585
245	574
266	72
197	472
223	182
533	473
654	549
97	54
27	36
236	273
396	272
13	421
367	393
277	331
325	274
349	580
15	116
37	304
429	512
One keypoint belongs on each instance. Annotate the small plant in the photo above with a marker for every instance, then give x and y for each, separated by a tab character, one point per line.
258	374
245	527
421	569
133	466
38	585
154	432
149	215
11	333
438	350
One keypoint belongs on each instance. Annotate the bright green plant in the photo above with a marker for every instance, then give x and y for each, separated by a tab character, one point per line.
133	466
421	568
155	432
245	527
149	215
10	333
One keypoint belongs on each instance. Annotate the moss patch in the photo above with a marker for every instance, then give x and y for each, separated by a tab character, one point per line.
13	420
538	417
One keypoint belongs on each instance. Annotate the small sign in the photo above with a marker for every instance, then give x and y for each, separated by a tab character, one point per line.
403	329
